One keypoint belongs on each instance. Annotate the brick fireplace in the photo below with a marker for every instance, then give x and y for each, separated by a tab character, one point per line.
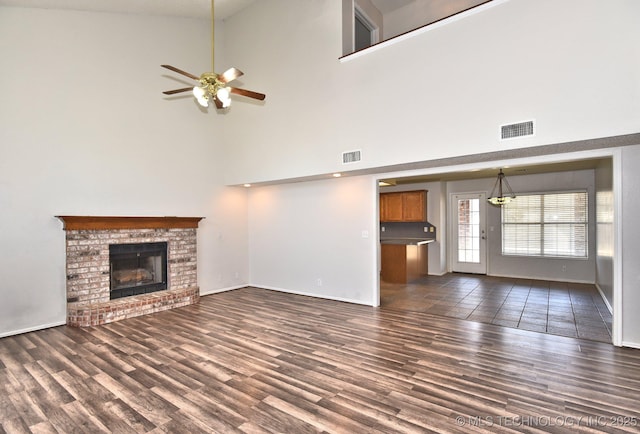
88	270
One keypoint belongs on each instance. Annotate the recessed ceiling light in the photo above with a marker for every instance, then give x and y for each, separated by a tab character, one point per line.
247	185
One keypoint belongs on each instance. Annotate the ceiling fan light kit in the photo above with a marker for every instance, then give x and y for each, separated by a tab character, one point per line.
201	96
213	86
210	87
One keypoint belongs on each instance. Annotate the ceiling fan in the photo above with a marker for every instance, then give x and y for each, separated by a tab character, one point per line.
213	86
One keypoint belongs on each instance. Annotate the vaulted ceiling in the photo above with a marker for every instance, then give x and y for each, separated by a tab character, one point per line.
179	8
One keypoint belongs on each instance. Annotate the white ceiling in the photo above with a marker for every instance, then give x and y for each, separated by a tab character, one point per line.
179	8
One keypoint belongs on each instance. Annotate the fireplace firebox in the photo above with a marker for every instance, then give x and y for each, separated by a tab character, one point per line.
137	268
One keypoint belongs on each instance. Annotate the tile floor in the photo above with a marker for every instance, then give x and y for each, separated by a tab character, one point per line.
558	308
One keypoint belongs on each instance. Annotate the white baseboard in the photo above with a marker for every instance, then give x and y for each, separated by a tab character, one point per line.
552	279
311	294
631	344
606	302
32	329
219	290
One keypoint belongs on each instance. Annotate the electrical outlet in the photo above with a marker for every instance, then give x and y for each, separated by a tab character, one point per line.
431	229
564	268
382	228
426	229
365	234
319	282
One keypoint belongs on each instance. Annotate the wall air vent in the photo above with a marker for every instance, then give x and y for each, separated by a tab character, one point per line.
512	131
351	157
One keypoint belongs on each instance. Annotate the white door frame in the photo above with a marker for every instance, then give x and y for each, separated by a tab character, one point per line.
454	264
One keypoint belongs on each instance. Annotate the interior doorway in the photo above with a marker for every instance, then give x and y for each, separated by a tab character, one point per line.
606	165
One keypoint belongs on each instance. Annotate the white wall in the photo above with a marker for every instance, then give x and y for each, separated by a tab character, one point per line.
303	232
630	302
571	65
85	130
605	236
567	270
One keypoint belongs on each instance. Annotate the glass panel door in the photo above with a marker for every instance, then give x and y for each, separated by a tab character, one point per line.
469	234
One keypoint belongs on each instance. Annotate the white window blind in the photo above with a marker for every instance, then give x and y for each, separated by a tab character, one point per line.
553	224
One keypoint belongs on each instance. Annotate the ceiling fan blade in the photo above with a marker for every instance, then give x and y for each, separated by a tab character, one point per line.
180	71
249	93
218	103
171	92
230	75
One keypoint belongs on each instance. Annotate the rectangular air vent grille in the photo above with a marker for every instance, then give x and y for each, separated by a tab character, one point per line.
520	129
351	157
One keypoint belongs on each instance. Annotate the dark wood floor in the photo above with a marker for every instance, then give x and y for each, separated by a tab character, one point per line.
559	308
258	361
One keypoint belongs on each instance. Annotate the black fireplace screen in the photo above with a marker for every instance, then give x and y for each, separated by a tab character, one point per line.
137	268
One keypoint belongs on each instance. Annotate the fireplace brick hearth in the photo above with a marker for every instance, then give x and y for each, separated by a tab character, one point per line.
88	273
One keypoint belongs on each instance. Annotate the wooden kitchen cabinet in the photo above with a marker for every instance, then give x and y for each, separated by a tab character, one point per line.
391	209
394	263
414	206
404	206
403	263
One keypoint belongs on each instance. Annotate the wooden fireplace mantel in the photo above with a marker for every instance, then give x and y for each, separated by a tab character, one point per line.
114	222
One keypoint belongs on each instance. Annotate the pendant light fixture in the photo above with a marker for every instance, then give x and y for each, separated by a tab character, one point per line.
501	198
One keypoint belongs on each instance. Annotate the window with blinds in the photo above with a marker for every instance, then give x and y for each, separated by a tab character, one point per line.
553	225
